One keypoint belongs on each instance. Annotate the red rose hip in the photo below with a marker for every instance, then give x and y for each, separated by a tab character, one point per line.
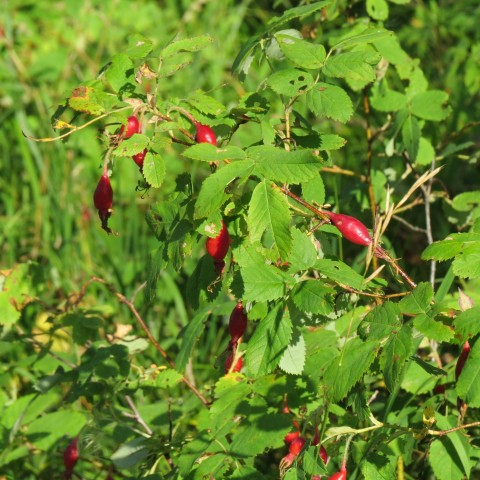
133	126
205	134
218	247
71	456
237	324
351	228
139	158
103	199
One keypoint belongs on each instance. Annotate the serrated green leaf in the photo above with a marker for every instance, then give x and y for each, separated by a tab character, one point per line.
212	193
303	53
430	105
411	137
131	146
468	384
429	368
339	272
120	72
395	353
244	58
353	66
268	211
290	82
347	369
87	100
419	301
326	100
293	358
205	104
190	335
193	44
435	330
172	65
380	465
381	322
268	342
303	252
451	246
369	35
262	282
168	378
296	12
417	380
385	100
154	169
426	152
377	9
467	263
281	165
207	152
313	296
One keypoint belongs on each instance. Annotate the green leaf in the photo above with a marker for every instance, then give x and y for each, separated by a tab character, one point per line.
207	152
154	169
467	263
193	44
120	72
261	282
290	82
190	335
382	322
47	430
205	104
380	465
293	359
426	152
395	353
304	54
467	323
339	272
347	369
429	368
244	58
369	35
451	246
212	193
314	190
385	100
326	100
449	455
303	252
268	211
431	105
138	46
296	12
168	378
377	9
130	453
268	342
468	385
280	165
411	137
419	301
435	330
131	146
313	296
87	100
464	202
353	66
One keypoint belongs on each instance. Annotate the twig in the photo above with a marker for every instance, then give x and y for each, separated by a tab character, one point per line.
136	415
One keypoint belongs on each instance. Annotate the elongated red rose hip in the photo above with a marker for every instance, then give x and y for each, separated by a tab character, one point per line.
351	228
133	126
70	456
296	446
237	324
341	475
462	359
228	363
103	199
205	134
290	437
218	247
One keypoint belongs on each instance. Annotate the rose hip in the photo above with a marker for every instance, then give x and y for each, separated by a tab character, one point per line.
228	363
218	247
205	134
237	323
70	456
462	359
290	437
139	158
296	446
103	199
341	475
133	126
351	228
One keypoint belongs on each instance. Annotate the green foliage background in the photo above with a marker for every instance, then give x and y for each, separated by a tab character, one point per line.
50	239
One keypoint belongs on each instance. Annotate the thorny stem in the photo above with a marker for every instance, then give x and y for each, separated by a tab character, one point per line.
122	299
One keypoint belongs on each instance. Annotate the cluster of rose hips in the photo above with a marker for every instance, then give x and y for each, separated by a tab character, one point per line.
103	195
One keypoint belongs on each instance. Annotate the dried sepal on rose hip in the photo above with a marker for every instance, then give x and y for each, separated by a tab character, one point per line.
218	246
103	199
